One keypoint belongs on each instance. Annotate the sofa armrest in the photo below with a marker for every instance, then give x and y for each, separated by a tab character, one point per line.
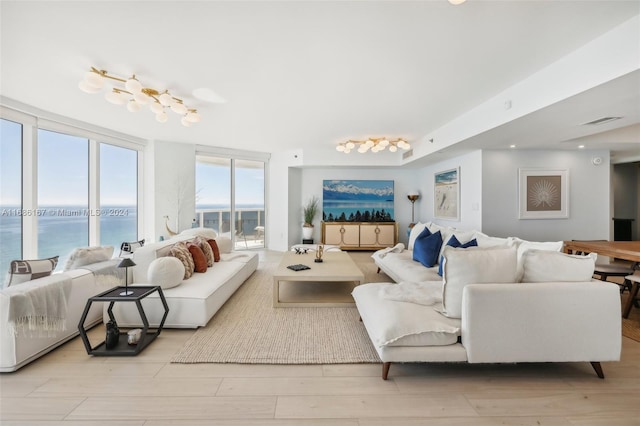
541	322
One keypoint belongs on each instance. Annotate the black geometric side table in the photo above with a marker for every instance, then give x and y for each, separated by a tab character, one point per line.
123	348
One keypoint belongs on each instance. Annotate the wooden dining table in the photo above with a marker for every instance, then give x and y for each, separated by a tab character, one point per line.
626	250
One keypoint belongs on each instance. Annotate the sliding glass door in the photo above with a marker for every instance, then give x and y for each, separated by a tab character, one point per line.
230	199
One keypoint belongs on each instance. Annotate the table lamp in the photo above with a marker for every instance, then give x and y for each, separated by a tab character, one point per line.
126	263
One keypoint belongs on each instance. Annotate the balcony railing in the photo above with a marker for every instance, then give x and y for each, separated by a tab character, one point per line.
249	225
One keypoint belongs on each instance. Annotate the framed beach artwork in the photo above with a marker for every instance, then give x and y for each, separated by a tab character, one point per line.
357	200
543	193
446	194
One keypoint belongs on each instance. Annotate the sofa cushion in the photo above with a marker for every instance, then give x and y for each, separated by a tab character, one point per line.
22	271
215	249
524	246
206	249
427	248
415	231
167	272
181	252
549	266
402	267
207	233
393	323
453	242
474	265
83	256
199	259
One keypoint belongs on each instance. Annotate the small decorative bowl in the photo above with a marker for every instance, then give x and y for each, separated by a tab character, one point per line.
133	336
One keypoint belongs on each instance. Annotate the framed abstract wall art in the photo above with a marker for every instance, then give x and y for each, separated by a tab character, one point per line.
446	192
543	193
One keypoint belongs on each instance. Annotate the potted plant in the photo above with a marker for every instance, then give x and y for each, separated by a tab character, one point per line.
309	212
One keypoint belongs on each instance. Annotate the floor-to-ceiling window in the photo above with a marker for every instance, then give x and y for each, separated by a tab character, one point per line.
63	194
62	188
249	202
10	193
230	198
118	195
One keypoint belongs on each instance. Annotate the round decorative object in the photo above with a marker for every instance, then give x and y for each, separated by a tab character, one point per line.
166	271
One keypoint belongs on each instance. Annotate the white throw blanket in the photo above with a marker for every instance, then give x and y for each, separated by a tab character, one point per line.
107	273
39	308
398	248
420	293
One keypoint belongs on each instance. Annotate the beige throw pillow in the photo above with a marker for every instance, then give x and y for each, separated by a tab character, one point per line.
473	265
541	266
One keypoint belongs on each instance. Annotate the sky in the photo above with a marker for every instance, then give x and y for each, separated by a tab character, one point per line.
63	170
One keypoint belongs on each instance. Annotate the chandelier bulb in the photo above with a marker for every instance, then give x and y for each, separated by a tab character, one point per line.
93	79
193	116
156	107
185	122
133	106
165	99
116	98
340	148
87	88
133	85
162	117
179	108
393	148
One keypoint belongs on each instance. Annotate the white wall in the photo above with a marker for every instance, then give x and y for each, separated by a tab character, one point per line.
278	193
589	207
174	172
471	165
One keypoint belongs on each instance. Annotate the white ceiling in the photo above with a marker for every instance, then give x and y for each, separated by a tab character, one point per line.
310	73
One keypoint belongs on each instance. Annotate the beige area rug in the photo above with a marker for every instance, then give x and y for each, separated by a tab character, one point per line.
248	330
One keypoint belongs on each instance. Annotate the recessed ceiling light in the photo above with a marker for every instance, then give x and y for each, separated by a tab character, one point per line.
512	146
208	95
580	146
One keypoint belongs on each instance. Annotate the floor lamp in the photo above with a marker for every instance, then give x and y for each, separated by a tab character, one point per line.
413	197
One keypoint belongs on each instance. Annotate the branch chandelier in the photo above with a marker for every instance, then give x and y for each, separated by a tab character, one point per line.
135	95
373	144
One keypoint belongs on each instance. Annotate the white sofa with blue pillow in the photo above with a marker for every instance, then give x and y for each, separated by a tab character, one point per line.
503	301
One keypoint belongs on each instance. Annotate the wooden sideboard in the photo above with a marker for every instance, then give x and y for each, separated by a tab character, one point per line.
360	235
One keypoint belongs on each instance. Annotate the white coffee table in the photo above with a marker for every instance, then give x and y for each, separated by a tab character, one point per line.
337	267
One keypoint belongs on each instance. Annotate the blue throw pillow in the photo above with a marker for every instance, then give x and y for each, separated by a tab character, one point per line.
427	247
453	242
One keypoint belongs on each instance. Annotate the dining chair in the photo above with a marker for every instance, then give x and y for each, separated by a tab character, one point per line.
633	281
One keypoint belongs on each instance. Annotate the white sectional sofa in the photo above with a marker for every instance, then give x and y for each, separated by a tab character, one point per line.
505	301
18	350
195	300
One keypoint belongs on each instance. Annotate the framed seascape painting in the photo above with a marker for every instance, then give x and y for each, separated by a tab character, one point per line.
446	194
357	200
543	194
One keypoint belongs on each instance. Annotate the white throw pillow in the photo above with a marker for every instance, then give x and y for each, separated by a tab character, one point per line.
167	272
415	231
224	244
485	240
524	246
87	255
207	233
542	266
473	265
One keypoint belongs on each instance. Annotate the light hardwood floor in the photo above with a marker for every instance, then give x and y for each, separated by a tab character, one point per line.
68	387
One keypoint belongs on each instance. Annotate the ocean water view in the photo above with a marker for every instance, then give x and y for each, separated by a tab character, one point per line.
64	228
